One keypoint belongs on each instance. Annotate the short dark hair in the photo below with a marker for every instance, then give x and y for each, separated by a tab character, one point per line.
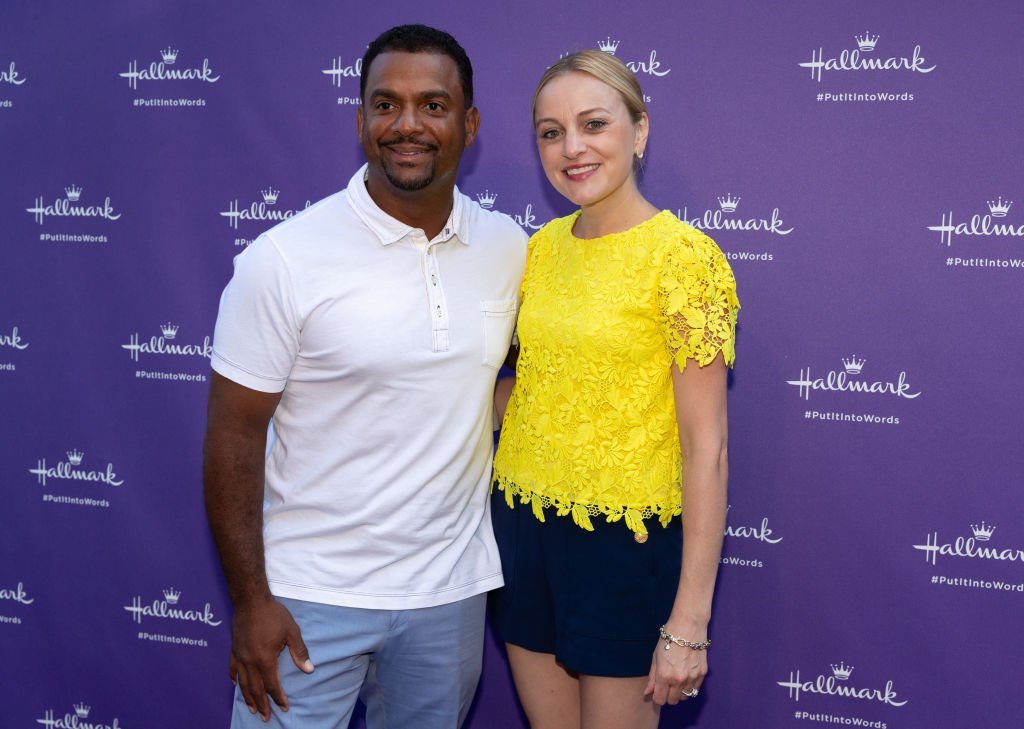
419	39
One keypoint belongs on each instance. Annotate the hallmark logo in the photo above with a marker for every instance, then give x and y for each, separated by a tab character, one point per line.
18	595
836	685
979	224
10	76
161	70
725	218
761	533
967	547
526	219
75	719
339	70
866	43
66	208
263	209
649	66
842	671
857	60
13	340
167	609
160	345
841	381
486	199
69	470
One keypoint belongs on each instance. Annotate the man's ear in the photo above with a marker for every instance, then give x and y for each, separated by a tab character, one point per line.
472	125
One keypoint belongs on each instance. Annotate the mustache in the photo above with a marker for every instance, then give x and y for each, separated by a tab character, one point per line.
409	140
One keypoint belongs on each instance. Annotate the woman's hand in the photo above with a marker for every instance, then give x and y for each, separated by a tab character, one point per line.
677	673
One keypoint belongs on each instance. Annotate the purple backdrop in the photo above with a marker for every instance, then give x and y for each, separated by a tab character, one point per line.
859	162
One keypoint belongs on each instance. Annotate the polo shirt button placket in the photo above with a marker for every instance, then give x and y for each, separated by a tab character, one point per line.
435	294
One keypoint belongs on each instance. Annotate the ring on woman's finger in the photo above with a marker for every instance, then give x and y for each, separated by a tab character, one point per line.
689	694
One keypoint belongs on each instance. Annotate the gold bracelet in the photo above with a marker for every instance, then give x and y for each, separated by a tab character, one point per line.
682	642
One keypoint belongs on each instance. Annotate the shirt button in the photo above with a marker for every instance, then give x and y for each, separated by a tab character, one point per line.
439	311
639	538
433	279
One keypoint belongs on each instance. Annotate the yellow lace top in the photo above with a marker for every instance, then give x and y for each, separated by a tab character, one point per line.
590	428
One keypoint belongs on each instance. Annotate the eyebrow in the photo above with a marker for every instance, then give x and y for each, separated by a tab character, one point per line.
430	94
585	112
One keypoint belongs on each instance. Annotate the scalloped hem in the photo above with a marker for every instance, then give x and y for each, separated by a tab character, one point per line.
581	512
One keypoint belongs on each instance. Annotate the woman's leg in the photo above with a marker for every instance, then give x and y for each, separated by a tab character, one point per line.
615	703
550	695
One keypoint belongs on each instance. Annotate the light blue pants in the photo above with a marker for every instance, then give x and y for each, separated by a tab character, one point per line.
412	668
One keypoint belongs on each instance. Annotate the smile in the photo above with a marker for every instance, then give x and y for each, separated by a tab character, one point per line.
407	150
581	171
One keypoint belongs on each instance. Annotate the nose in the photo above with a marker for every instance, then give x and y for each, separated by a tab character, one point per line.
408	120
572	144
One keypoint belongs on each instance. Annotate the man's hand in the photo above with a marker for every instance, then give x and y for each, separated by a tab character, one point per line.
259	632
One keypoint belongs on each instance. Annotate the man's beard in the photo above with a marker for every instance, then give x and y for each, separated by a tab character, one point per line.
414	184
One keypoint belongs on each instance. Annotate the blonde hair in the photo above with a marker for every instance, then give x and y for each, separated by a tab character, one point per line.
604	68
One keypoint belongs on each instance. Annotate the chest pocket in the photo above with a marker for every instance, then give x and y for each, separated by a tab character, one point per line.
499	318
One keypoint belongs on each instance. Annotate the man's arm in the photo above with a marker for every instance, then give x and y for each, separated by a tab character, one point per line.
233	475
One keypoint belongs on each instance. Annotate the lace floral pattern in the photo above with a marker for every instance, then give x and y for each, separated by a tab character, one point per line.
590	429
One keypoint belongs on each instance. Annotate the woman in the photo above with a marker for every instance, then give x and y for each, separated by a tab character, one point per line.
615	426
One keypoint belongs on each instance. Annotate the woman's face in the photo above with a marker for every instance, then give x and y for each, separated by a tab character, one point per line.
586	139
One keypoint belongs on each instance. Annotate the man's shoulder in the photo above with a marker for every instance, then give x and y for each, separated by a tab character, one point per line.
492	223
316	218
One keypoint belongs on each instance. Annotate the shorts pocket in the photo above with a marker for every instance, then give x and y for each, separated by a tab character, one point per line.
499	318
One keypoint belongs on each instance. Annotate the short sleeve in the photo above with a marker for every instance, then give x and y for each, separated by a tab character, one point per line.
697	302
256	338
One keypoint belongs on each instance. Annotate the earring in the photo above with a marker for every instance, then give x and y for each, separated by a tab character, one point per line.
640	154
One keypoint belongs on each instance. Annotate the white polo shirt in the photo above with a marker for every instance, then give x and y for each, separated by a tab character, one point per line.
385	347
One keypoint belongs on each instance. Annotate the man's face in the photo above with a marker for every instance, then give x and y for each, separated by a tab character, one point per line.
413	124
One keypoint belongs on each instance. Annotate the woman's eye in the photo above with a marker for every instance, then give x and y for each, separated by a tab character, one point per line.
594	124
549	134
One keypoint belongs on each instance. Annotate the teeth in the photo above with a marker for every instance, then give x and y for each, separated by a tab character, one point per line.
574	171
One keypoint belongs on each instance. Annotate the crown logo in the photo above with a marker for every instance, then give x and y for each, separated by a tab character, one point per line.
270	195
999	208
866	42
170	331
82	710
853	365
983	531
608	45
842	671
73	192
728	203
171	596
487	198
170	55
75	457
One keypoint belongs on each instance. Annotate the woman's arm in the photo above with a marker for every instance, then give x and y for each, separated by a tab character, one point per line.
700	395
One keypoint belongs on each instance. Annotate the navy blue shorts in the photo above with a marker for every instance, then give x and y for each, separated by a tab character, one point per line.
593	599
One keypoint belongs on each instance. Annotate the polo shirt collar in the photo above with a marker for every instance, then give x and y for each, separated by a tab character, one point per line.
390	230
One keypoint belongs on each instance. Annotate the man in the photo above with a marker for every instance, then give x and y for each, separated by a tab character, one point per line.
367	332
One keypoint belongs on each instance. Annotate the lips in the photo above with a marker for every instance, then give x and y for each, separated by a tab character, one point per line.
579	172
408	149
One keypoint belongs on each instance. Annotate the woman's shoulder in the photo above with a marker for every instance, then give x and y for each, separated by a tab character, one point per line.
557	226
681	238
553	231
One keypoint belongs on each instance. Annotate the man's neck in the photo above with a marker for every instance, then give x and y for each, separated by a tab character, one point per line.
427	209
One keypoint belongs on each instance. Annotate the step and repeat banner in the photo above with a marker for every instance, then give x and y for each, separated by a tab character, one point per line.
859	163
